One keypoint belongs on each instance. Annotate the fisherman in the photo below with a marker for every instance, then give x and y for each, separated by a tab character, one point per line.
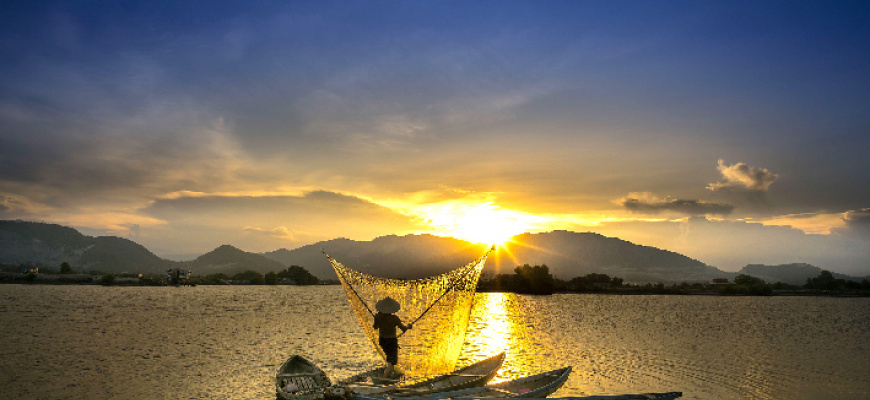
386	322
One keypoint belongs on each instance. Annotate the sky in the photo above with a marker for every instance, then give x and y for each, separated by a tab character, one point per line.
732	132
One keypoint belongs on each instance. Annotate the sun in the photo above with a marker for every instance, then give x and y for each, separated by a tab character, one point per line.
477	222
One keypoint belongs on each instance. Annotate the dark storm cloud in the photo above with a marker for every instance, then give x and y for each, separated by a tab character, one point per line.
643	204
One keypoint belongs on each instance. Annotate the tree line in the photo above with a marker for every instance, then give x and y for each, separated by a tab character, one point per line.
526	279
538	280
293	275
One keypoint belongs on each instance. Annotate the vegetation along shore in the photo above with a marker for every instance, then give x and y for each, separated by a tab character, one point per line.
526	279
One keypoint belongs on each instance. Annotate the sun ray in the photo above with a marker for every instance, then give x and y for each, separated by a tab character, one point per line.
478	222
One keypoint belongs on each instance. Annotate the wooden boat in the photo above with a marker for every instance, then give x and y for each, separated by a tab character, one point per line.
474	375
535	386
299	379
639	396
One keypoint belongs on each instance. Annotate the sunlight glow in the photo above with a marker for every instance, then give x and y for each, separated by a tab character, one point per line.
810	223
496	324
477	222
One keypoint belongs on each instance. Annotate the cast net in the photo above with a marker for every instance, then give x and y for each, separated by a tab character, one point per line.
439	308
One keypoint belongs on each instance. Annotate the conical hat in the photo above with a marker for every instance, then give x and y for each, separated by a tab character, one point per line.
387	305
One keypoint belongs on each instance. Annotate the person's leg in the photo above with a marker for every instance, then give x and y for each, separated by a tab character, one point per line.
391	350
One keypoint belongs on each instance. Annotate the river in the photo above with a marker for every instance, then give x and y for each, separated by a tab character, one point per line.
226	342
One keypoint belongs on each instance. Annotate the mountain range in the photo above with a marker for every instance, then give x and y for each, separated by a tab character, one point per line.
567	254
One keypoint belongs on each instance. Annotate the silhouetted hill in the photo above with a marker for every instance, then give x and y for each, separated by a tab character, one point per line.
567	254
230	260
50	245
114	254
572	254
793	274
405	257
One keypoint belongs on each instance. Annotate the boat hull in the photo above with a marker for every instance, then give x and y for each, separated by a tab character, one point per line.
474	375
535	386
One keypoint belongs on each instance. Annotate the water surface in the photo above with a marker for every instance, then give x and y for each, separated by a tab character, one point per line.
94	342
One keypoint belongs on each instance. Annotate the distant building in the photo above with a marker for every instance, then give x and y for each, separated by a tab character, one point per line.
29	270
720	281
178	276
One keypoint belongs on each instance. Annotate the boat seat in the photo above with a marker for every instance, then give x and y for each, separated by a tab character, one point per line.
301	381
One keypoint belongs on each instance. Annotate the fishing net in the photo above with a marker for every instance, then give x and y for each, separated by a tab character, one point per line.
439	308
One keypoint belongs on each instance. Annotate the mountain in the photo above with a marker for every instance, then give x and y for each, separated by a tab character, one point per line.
114	254
792	274
567	254
230	260
572	254
405	257
24	242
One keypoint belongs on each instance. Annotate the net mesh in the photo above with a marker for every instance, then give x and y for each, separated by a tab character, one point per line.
442	303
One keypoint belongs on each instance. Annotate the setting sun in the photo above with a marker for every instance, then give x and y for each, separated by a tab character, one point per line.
477	222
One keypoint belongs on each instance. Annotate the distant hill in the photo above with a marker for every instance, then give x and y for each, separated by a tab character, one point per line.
567	254
793	274
404	257
230	260
571	254
114	254
24	242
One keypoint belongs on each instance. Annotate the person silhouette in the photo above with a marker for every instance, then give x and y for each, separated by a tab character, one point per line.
386	323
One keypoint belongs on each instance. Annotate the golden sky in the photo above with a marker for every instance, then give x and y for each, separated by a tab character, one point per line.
733	134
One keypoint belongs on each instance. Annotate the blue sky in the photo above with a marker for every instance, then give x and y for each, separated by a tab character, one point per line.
732	132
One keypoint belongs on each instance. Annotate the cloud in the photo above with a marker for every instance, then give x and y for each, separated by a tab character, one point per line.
650	204
857	221
857	217
129	160
280	232
812	223
743	177
20	207
268	222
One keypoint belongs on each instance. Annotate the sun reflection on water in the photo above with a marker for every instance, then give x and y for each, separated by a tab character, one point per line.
498	325
495	326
